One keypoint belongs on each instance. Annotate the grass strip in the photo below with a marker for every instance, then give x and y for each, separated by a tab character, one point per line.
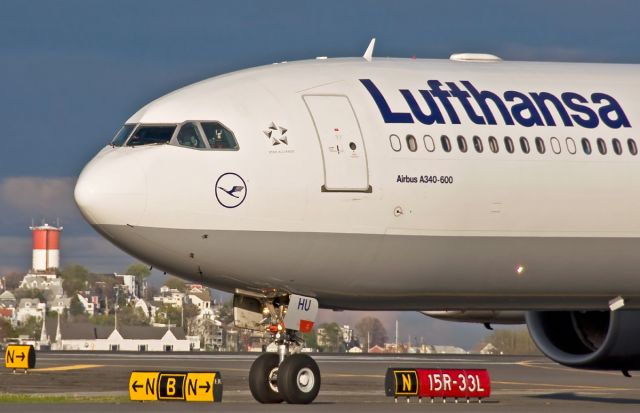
60	398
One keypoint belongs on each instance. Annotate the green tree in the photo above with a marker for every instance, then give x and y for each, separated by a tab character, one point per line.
29	293
225	313
31	327
331	338
6	329
372	328
139	270
310	339
168	314
74	278
176	283
190	311
12	281
131	316
75	306
103	319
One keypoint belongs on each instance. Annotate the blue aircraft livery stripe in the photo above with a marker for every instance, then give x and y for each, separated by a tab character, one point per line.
510	108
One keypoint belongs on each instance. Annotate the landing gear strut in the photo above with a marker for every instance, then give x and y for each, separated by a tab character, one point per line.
287	375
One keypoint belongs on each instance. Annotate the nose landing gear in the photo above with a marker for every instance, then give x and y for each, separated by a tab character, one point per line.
288	375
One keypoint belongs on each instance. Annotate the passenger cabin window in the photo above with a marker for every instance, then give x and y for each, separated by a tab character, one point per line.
555	145
571	146
586	146
428	143
446	143
396	145
462	143
493	144
633	148
477	144
147	135
524	145
190	137
411	143
508	143
617	146
602	146
219	137
540	145
122	135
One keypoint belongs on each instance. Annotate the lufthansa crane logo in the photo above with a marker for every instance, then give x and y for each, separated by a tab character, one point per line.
231	190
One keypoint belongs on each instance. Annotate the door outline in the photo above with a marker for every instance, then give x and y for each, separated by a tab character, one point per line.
323	188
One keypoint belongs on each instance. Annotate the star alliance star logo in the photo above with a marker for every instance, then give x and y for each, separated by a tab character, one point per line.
276	134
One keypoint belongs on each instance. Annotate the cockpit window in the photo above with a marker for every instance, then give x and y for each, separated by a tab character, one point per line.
147	135
219	137
190	137
122	135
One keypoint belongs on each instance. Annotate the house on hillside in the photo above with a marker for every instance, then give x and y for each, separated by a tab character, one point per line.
8	300
29	307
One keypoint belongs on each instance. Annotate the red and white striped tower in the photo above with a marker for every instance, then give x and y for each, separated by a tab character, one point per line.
46	247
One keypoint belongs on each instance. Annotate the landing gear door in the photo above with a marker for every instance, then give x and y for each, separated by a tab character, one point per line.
343	152
301	313
247	312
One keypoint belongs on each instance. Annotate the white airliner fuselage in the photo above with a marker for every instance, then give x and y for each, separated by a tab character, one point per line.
342	187
467	187
361	213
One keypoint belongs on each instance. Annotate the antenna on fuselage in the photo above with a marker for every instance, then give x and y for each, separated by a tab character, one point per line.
368	54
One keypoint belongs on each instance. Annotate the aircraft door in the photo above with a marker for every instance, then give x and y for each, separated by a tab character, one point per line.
343	151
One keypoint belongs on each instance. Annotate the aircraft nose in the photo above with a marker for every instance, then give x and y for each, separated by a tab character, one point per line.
111	189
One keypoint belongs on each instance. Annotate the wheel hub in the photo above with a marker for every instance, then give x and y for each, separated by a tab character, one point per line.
273	379
306	380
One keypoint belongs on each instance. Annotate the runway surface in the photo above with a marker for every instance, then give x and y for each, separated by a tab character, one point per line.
350	383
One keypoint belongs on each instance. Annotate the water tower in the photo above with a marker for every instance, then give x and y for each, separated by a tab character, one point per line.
46	248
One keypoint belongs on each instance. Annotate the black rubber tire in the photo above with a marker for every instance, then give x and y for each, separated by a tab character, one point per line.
293	369
259	379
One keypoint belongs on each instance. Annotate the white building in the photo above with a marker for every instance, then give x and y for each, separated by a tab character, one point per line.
42	282
202	300
8	300
87	303
59	304
170	296
29	307
145	338
129	283
89	337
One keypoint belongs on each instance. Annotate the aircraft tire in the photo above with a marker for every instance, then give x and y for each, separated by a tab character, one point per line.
299	379
260	384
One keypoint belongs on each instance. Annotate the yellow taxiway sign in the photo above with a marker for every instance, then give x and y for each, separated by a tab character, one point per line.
183	386
20	357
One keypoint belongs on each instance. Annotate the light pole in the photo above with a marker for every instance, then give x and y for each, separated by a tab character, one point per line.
117	289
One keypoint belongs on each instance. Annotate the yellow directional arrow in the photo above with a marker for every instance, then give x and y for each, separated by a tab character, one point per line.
200	387
143	385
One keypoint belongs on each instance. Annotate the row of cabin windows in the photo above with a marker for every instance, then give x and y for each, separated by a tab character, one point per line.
510	145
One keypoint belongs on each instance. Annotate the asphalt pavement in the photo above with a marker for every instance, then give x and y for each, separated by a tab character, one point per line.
350	383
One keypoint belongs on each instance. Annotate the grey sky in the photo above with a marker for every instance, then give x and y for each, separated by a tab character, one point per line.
71	71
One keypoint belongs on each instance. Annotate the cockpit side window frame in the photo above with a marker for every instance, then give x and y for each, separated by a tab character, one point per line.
206	138
200	131
113	142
